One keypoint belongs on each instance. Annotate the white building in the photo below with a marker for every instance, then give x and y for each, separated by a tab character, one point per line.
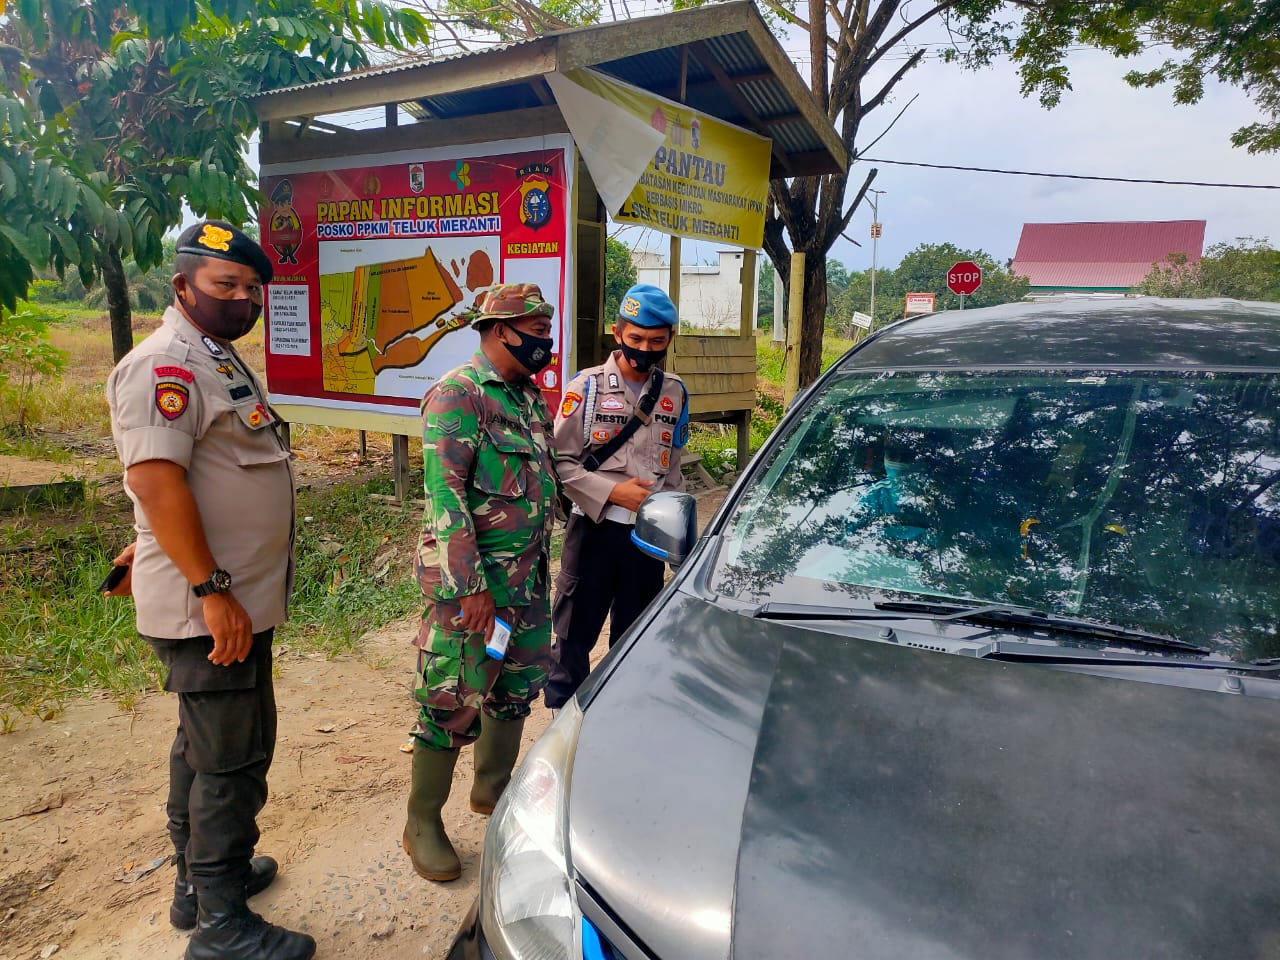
710	296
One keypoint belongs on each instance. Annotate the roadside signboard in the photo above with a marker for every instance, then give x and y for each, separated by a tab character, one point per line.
920	303
706	179
964	278
862	320
876	231
379	259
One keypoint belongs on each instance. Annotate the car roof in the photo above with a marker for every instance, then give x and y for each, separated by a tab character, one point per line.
1143	332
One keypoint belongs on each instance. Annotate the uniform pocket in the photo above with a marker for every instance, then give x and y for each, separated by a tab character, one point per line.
503	463
257	444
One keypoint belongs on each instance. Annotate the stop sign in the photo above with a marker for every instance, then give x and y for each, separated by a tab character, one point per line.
964	278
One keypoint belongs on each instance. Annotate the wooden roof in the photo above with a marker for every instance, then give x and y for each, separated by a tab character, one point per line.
735	70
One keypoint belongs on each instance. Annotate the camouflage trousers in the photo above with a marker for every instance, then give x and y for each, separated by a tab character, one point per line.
457	680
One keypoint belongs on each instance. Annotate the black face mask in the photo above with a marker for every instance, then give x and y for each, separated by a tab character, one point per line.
224	319
642	361
532	353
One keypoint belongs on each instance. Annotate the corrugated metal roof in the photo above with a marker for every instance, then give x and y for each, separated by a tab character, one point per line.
1101	254
744	52
373	73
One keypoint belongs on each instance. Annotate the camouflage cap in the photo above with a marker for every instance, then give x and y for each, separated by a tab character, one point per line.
508	301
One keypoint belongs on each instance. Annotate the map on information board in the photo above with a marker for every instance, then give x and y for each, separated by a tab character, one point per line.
379	268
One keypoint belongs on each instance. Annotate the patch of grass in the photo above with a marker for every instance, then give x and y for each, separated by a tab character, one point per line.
354	566
58	638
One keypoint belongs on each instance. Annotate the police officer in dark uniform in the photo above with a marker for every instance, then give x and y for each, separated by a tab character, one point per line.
602	573
210	573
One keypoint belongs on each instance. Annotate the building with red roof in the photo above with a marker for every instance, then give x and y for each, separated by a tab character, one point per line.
1102	257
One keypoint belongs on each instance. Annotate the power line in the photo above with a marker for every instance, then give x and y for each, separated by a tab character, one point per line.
1074	176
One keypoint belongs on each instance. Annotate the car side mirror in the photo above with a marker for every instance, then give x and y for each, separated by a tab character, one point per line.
667	527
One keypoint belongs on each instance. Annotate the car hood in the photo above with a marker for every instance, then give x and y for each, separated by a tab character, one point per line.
801	793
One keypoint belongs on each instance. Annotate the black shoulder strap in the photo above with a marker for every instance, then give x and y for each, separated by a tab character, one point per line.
642	415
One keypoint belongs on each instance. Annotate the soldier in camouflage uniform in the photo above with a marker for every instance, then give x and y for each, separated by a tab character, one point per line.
490	491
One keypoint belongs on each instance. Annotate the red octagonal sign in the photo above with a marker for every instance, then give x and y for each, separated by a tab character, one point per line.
964	278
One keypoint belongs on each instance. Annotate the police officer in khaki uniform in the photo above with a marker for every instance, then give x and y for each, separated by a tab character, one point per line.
210	574
602	573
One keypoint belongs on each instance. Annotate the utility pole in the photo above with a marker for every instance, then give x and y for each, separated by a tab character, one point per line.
875	235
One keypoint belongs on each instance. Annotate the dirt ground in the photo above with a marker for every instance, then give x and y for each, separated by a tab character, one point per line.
82	815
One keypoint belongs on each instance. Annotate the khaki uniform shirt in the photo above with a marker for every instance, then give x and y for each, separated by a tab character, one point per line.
183	397
597	404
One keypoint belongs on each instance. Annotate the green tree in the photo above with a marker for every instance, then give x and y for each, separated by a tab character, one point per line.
1248	269
1236	41
924	270
117	113
619	275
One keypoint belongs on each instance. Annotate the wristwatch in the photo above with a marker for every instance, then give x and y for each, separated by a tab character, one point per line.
219	582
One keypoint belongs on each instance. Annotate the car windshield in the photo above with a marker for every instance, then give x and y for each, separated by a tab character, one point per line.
1146	500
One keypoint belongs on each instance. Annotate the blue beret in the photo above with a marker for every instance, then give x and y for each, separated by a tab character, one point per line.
217	238
647	306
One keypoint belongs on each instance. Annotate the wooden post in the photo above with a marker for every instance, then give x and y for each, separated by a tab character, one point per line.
400	465
362	445
747	330
795	317
286	434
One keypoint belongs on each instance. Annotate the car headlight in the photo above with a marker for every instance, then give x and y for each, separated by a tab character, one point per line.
526	908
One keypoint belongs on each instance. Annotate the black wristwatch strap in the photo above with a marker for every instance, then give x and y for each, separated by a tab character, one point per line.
219	582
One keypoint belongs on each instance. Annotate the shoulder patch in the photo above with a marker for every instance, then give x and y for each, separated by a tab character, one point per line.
171	399
180	372
571	403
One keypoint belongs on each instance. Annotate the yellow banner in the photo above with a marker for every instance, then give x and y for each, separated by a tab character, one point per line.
709	180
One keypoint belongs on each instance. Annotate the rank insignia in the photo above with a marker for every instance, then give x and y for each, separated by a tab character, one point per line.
571	403
212	346
171	399
226	369
180	372
667	404
664	458
613	381
215	238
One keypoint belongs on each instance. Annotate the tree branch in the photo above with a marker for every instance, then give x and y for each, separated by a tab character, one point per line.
908	65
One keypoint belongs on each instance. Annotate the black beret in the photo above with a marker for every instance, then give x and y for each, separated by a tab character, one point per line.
217	238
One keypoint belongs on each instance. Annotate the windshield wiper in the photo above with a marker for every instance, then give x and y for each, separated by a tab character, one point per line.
1003	615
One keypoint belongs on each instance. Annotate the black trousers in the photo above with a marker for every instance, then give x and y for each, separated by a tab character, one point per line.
219	759
602	574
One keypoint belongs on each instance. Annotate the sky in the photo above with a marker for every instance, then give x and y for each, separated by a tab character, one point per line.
1102	127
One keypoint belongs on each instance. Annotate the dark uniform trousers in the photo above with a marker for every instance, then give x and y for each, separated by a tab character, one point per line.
602	573
220	756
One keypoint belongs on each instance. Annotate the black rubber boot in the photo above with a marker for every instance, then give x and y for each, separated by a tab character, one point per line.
495	757
424	840
228	930
183	910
